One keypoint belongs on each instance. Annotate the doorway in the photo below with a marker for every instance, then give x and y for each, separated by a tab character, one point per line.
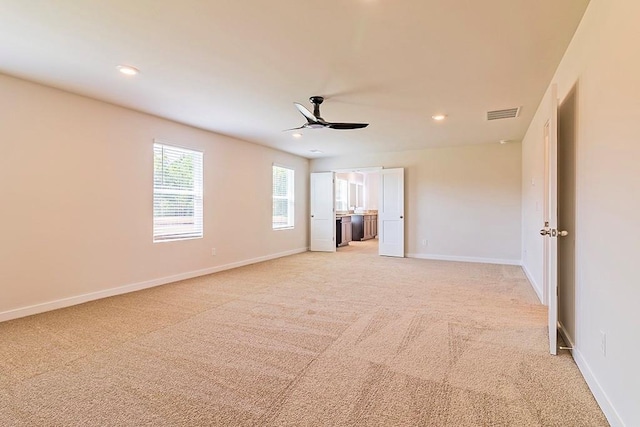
382	213
356	205
333	206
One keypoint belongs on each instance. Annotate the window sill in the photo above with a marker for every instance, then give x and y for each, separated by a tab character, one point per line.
178	239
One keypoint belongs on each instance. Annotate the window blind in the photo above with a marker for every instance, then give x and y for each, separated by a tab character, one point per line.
283	201
177	193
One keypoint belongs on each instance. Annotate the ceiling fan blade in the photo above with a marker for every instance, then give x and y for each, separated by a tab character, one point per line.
347	126
308	114
298	128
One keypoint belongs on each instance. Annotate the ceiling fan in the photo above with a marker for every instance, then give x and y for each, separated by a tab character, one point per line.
315	121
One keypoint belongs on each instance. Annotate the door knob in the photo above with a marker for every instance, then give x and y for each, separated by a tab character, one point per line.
311	216
545	232
563	233
401	217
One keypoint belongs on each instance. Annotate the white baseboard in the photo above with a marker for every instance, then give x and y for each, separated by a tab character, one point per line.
537	288
601	397
79	299
466	259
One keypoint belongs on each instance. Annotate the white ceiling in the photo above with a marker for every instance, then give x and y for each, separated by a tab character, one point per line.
235	66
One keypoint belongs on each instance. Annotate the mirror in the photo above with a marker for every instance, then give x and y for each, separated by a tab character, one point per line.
341	195
352	195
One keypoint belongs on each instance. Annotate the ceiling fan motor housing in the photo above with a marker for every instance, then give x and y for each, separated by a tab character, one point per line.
316	101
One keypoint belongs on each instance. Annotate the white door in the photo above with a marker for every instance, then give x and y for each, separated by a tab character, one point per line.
323	223
567	120
550	229
391	213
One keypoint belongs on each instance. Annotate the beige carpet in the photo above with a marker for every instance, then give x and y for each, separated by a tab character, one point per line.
346	339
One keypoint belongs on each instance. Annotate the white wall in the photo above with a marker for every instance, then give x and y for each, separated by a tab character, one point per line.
604	62
76	192
371	188
465	201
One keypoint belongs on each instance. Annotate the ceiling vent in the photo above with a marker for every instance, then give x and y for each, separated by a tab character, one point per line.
509	113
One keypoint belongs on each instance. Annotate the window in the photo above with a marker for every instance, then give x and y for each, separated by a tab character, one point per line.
282	197
177	193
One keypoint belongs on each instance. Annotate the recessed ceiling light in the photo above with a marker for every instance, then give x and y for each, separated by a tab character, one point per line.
128	70
315	151
297	135
439	117
505	141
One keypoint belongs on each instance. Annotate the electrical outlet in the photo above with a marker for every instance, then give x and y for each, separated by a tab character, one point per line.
603	343
213	251
425	242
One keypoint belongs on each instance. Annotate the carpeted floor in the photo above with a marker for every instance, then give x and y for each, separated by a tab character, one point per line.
346	339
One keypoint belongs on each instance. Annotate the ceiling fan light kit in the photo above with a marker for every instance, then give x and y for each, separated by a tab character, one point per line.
128	70
315	120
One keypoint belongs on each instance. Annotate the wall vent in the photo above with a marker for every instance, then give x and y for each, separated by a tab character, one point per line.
508	113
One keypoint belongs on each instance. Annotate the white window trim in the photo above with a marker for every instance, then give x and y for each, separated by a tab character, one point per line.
290	198
197	192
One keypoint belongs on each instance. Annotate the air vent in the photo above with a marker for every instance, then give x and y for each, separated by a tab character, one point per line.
509	113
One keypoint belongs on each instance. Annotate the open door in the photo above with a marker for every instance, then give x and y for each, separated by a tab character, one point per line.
567	133
323	222
391	213
550	229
